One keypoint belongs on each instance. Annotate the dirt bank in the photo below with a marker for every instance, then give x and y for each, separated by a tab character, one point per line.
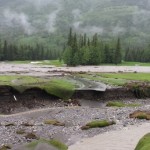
11	101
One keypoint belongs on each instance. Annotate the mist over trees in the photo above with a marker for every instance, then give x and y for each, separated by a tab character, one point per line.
24	24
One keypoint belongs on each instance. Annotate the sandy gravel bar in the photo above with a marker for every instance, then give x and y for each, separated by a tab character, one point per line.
41	70
125	139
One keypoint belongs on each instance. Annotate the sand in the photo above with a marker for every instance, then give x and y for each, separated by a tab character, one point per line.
125	139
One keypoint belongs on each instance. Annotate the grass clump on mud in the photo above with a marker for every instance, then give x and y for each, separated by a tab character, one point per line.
140	115
120	104
58	87
97	124
57	144
140	89
53	122
5	147
20	131
144	143
31	136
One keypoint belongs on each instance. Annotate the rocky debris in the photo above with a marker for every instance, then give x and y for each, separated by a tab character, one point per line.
73	117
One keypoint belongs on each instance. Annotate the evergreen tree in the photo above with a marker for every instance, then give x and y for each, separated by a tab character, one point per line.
117	56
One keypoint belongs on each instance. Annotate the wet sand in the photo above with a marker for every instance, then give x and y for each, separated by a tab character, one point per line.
125	139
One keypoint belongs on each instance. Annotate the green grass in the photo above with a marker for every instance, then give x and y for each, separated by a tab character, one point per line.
118	79
120	104
97	77
97	124
59	87
19	62
134	64
56	63
144	143
55	143
127	76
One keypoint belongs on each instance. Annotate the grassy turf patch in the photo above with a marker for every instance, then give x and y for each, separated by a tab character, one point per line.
118	79
97	77
128	76
120	104
56	63
55	143
144	143
59	87
97	124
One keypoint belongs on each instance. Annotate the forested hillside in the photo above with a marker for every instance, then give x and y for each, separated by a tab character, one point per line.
47	22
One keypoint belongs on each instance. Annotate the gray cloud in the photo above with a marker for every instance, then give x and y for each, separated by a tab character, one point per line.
13	18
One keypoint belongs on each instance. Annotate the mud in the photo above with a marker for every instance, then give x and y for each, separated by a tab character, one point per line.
11	101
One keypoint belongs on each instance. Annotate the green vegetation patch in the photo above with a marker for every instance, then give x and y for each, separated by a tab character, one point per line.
118	79
121	104
57	144
56	63
99	78
144	143
59	87
128	76
140	89
140	115
97	124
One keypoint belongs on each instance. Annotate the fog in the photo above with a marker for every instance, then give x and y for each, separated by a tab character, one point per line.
115	16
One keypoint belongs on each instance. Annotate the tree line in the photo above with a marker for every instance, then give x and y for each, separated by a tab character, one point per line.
82	50
137	54
9	51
